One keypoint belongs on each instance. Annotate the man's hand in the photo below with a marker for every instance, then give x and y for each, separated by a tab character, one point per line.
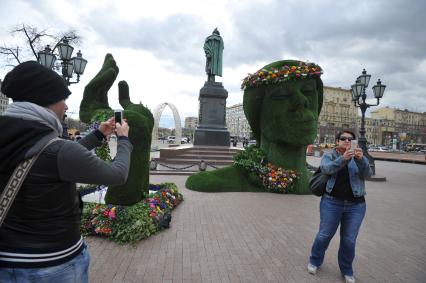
122	129
108	127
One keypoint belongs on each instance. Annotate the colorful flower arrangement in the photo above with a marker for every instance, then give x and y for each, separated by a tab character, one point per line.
271	178
282	74
276	179
165	198
130	224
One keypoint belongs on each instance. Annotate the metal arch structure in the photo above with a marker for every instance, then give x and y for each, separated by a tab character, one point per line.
157	115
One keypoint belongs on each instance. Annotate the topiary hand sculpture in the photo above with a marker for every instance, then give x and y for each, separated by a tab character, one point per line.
282	102
95	107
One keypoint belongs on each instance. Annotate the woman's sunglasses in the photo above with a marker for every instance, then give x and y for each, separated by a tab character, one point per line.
345	138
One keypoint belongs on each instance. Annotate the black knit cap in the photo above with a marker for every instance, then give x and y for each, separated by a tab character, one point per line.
34	83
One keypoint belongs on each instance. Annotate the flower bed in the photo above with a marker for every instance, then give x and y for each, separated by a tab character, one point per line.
269	177
130	224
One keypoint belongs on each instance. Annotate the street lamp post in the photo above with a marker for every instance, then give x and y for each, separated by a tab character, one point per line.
69	65
238	128
358	97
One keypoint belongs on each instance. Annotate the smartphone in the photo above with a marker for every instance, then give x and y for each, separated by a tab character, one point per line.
354	144
118	115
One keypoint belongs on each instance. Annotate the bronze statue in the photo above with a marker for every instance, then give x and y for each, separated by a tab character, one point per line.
213	48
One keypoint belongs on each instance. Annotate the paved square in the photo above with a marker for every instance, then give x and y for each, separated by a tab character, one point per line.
260	237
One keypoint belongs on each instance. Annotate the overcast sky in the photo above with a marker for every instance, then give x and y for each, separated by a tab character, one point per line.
158	45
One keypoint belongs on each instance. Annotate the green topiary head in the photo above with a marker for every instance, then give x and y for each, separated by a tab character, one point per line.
282	102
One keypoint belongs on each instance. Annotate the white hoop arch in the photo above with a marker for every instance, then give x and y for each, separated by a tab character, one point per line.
157	115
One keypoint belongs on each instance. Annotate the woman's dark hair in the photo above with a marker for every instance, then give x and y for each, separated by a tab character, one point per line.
343	132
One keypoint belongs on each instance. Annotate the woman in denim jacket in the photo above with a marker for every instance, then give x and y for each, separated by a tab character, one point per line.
343	203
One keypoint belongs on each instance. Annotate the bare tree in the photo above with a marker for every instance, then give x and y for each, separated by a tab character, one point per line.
34	40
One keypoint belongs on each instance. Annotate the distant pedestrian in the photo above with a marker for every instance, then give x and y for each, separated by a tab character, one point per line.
245	142
343	203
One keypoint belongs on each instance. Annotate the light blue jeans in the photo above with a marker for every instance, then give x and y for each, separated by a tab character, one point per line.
73	271
334	212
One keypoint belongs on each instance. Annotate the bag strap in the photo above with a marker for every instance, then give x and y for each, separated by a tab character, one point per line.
15	182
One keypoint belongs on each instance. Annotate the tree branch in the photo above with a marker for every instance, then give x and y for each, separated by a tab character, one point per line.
33	38
11	52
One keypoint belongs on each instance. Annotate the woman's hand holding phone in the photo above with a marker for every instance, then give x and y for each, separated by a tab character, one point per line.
358	153
348	154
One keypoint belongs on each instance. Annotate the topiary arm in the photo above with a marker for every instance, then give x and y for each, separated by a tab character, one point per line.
95	96
141	122
95	107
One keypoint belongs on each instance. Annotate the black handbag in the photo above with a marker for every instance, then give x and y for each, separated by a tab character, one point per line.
318	183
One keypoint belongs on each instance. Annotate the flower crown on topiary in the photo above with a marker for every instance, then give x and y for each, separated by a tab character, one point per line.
284	73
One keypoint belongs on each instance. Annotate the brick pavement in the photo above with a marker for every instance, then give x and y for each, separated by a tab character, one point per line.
260	237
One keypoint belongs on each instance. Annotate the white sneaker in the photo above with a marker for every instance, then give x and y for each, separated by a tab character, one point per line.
312	269
349	279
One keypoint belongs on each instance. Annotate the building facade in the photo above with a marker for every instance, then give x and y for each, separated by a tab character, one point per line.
338	112
376	130
4	101
387	126
191	122
237	123
400	126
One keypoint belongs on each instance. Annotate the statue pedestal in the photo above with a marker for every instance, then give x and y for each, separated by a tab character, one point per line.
211	128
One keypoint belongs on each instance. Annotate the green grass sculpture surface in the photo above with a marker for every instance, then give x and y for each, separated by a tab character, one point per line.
227	179
95	107
282	102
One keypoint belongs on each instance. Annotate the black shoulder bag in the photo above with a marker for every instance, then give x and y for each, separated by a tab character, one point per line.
318	182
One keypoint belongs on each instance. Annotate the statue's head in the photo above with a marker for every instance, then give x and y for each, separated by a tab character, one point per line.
216	31
282	102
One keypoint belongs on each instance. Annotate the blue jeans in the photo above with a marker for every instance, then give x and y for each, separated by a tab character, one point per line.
334	212
75	270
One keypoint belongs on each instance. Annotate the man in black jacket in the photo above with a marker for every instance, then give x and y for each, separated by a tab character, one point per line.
40	238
